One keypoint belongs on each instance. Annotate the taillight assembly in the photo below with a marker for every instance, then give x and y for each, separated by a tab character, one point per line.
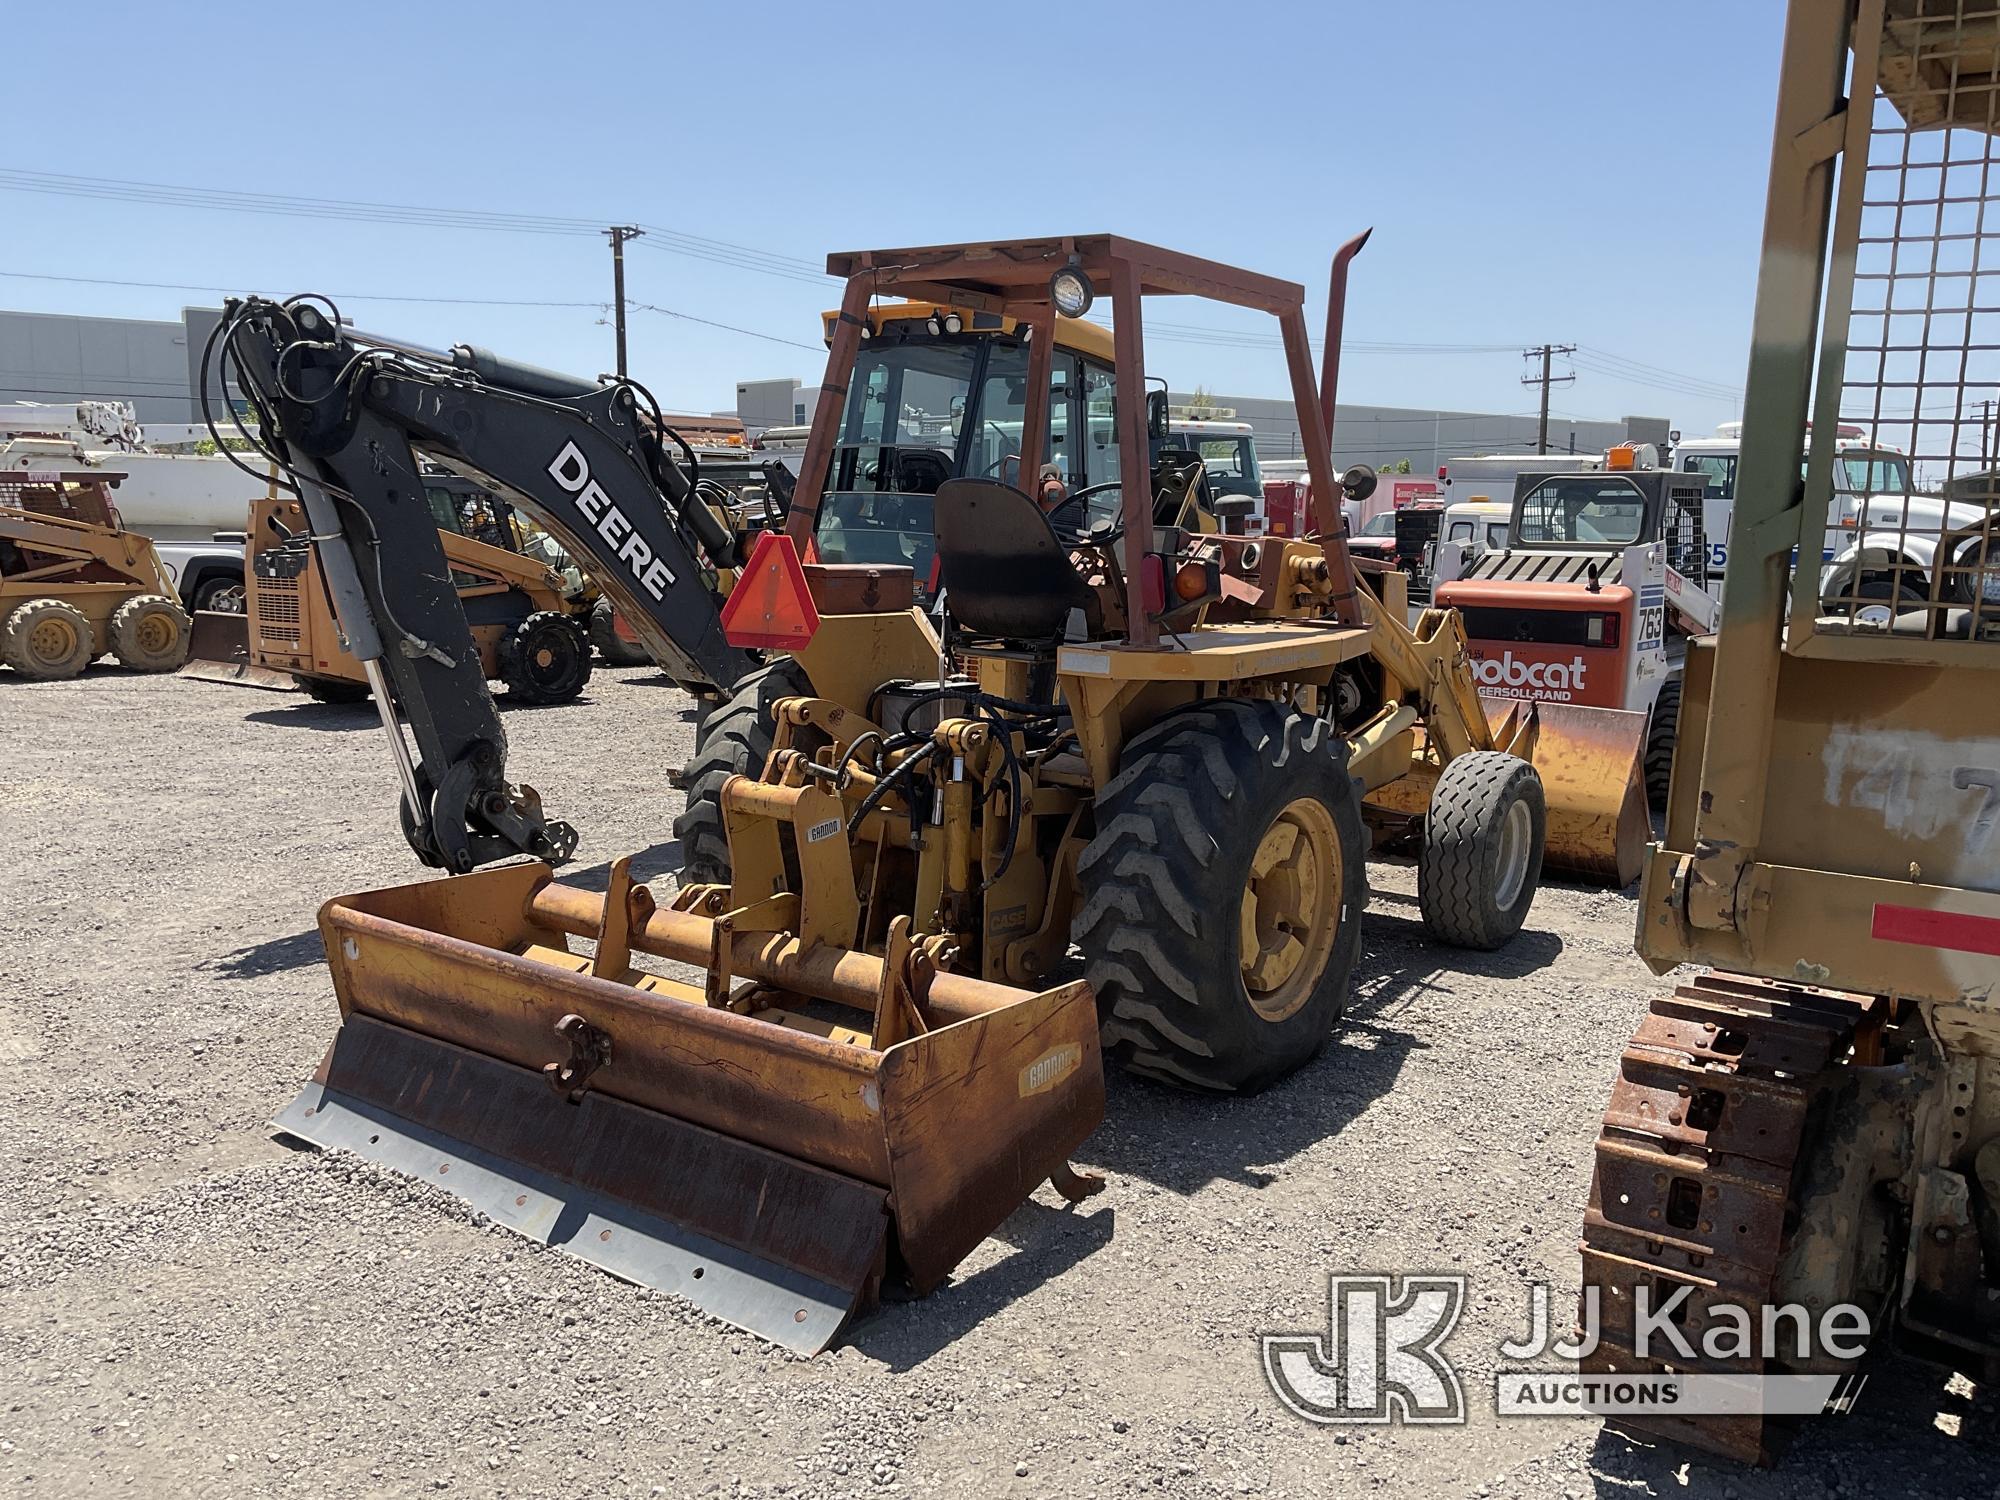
1602	630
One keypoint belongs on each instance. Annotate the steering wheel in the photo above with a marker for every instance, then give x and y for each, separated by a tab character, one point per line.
998	468
1068	530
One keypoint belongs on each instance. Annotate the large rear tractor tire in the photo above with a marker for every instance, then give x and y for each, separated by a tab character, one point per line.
733	739
1661	730
613	647
149	633
545	659
1221	899
1482	854
48	640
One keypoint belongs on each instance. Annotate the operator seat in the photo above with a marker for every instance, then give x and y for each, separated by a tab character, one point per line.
1005	575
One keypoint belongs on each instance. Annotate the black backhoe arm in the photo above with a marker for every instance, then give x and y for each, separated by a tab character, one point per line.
347	415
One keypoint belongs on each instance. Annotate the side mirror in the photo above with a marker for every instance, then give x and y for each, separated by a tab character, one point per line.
1358	483
1156	414
957	416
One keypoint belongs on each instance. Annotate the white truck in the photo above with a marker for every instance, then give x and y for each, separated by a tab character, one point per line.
192	506
1476	525
1882	538
1493	476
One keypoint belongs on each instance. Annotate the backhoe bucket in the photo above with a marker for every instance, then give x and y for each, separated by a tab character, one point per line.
732	1142
1592	765
219	651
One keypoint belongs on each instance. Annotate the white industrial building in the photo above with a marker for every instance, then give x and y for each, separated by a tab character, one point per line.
153	363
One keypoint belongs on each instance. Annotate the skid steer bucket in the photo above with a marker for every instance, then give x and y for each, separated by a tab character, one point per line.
1592	765
750	1142
219	651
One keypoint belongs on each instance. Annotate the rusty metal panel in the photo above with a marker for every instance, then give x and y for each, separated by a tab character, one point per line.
788	1090
1694	1178
219	651
736	1119
1030	1077
753	1237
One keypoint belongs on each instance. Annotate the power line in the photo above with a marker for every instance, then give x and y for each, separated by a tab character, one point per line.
672	242
668	241
231	291
600	307
1701	393
769	338
1606	355
285	205
1246	339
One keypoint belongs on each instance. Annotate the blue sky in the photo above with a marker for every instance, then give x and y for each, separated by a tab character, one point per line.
1578	172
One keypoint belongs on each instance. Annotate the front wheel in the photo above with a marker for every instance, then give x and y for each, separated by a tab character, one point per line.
1220	902
1482	853
545	659
149	633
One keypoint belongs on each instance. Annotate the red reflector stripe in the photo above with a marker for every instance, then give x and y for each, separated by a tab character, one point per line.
1937	929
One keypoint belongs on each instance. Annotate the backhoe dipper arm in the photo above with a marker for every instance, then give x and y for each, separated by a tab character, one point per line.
347	414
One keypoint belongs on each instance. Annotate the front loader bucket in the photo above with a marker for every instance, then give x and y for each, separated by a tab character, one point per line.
219	651
1592	765
733	1145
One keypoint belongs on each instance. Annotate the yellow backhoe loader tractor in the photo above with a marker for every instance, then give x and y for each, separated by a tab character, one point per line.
1164	742
1812	1126
75	585
527	604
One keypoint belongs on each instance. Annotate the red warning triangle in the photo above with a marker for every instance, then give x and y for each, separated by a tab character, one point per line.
771	608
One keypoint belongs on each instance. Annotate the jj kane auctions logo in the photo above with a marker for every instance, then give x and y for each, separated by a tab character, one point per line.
1382	1357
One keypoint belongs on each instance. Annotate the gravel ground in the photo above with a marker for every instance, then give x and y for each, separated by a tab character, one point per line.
189	1308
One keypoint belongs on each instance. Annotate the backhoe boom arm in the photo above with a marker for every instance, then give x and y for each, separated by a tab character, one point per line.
351	417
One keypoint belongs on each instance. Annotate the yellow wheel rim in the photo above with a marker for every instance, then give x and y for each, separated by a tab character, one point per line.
1290	909
157	631
52	639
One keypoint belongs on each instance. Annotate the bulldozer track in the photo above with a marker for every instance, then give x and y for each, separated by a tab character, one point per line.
1695	1170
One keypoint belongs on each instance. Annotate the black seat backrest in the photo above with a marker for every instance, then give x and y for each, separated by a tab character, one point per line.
1005	575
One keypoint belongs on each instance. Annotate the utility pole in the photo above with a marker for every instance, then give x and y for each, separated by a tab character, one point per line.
1547	354
619	234
1985	435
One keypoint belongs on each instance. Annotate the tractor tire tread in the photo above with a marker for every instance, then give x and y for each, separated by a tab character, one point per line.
1661	730
1455	864
17	653
516	671
1165	822
126	646
733	739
